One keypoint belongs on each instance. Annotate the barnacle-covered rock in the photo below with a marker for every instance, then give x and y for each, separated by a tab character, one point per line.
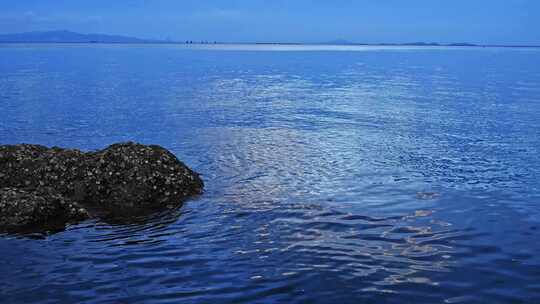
131	175
22	209
35	167
122	178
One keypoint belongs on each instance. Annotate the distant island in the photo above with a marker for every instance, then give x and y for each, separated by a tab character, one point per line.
69	37
463	44
64	36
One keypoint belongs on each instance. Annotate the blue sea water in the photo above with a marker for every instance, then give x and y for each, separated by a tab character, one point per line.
333	174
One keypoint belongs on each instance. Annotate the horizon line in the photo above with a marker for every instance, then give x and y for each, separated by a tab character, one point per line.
337	42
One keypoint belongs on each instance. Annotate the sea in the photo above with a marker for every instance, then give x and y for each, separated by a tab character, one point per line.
333	174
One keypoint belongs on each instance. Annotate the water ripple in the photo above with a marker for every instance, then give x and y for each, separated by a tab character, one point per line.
367	175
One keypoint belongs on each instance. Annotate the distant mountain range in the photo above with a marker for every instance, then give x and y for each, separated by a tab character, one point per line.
70	37
73	37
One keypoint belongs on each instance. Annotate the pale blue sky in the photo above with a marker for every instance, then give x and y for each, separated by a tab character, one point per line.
479	21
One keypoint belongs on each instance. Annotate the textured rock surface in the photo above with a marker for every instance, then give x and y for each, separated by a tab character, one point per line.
133	175
35	167
123	177
24	208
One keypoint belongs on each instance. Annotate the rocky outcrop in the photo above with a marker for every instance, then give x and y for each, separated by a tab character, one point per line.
122	178
22	209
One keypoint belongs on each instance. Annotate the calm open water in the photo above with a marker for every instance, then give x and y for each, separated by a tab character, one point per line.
313	158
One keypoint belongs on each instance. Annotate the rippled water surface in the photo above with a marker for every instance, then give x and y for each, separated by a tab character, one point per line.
333	175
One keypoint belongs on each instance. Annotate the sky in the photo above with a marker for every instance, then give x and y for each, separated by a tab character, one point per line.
363	21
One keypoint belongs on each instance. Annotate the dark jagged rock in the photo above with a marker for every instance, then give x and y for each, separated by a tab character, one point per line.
122	178
35	167
25	208
133	175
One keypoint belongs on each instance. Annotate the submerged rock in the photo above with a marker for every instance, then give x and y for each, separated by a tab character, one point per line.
427	195
122	178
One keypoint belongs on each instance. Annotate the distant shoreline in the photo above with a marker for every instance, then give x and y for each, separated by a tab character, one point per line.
65	37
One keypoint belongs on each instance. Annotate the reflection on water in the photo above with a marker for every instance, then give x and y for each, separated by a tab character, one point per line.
379	175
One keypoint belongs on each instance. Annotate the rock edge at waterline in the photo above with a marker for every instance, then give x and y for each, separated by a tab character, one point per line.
40	185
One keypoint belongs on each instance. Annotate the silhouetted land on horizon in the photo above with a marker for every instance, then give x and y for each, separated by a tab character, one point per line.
64	36
69	37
